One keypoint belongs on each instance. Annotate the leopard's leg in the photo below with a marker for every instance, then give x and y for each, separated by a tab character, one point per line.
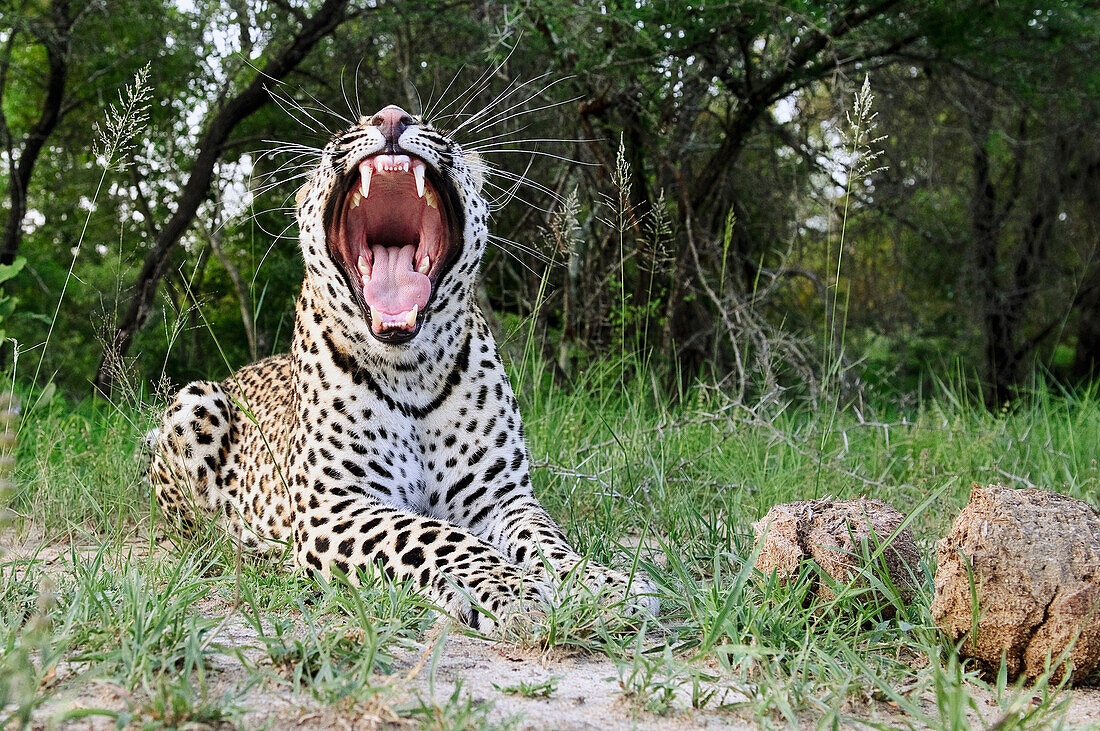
520	528
454	568
524	529
482	482
192	447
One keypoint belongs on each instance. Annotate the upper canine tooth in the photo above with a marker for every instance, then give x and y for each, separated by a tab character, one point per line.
364	267
424	265
364	186
418	173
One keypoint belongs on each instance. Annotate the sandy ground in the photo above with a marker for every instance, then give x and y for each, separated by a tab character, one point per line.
587	694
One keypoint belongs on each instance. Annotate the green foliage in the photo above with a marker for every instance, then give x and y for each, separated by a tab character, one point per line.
543	689
8	302
80	467
457	711
135	625
692	117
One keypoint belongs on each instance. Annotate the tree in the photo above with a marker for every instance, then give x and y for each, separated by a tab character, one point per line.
53	33
219	126
992	167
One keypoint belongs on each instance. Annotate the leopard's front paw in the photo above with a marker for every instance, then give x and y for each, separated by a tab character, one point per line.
635	594
492	604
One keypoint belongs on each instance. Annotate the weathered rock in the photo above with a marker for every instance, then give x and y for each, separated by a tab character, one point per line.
837	534
1035	558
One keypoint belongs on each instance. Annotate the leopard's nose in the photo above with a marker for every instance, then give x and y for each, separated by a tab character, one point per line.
392	121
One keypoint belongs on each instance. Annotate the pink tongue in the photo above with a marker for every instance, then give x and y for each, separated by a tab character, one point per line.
395	285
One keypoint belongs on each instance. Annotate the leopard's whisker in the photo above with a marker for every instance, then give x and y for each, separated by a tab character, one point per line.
471	90
487	116
506	115
503	151
496	139
507	244
290	106
522	179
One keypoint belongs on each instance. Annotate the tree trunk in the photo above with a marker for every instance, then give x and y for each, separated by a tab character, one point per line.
1086	357
998	323
244	298
323	22
56	39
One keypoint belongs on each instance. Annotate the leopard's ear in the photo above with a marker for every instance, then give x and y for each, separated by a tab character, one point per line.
477	169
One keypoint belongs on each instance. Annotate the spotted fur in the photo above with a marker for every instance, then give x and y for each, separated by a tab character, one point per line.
360	455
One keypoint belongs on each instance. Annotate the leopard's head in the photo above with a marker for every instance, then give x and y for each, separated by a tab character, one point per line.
393	226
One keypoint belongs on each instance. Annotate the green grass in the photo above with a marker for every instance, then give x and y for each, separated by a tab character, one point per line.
638	482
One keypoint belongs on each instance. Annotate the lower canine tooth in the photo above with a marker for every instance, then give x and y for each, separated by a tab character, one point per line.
410	317
376	318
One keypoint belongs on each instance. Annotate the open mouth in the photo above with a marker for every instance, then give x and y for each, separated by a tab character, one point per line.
390	235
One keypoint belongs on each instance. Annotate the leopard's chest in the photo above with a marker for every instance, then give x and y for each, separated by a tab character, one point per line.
408	443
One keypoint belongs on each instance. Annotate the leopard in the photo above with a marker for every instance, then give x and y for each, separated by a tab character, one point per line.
388	441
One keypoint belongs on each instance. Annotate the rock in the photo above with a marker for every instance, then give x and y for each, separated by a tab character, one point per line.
837	534
1036	569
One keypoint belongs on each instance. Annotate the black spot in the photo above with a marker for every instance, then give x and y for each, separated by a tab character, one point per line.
370	543
353	468
370	525
382	471
480	515
459	486
414	557
495	470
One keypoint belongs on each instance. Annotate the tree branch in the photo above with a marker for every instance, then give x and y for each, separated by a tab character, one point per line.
56	40
210	148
